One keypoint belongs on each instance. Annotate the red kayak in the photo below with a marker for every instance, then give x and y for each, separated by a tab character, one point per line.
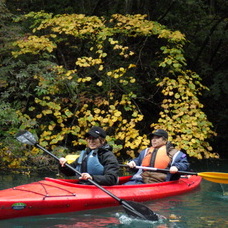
51	196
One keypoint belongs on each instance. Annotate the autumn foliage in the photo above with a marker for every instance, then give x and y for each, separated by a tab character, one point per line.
91	79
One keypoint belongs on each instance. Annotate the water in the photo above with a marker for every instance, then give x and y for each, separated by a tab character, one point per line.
206	206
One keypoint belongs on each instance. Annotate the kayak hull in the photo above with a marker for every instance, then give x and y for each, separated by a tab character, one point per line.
52	196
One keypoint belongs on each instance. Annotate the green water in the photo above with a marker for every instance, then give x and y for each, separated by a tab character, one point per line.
206	206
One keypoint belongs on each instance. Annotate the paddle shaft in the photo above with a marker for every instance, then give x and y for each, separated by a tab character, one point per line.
161	170
216	177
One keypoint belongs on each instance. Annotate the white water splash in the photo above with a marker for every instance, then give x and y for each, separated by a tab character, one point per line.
126	220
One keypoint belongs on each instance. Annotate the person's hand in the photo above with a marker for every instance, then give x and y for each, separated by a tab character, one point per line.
85	176
62	161
131	164
173	169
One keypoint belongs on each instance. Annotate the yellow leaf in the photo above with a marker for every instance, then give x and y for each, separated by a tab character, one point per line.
50	127
132	80
118	113
177	95
101	67
99	83
39	116
105	120
45	133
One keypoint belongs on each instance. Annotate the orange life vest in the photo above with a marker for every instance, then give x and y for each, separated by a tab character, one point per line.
157	158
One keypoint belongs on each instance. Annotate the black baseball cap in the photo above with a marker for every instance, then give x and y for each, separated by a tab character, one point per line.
160	133
96	132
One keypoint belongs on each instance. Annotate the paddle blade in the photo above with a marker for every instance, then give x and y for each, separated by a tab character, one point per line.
216	177
137	210
26	138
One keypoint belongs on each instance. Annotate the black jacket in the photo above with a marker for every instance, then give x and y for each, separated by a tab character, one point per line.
106	158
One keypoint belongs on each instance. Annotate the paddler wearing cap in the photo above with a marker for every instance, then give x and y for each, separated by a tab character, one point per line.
96	162
162	155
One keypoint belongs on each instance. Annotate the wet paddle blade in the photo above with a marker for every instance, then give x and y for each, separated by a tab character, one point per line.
26	138
216	177
137	210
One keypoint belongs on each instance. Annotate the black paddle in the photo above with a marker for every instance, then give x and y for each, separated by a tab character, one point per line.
133	209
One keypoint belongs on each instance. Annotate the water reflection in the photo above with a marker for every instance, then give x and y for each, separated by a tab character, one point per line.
12	180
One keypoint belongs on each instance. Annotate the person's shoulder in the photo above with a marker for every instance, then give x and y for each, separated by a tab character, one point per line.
181	155
144	150
106	148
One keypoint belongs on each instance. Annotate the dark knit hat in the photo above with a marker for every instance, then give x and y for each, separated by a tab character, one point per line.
96	132
160	133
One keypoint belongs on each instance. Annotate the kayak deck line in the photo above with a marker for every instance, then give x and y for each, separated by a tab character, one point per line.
44	186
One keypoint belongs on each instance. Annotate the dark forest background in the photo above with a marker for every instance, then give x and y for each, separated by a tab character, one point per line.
204	24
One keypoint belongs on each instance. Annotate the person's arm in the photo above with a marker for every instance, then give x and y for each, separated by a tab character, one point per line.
65	170
181	162
138	160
